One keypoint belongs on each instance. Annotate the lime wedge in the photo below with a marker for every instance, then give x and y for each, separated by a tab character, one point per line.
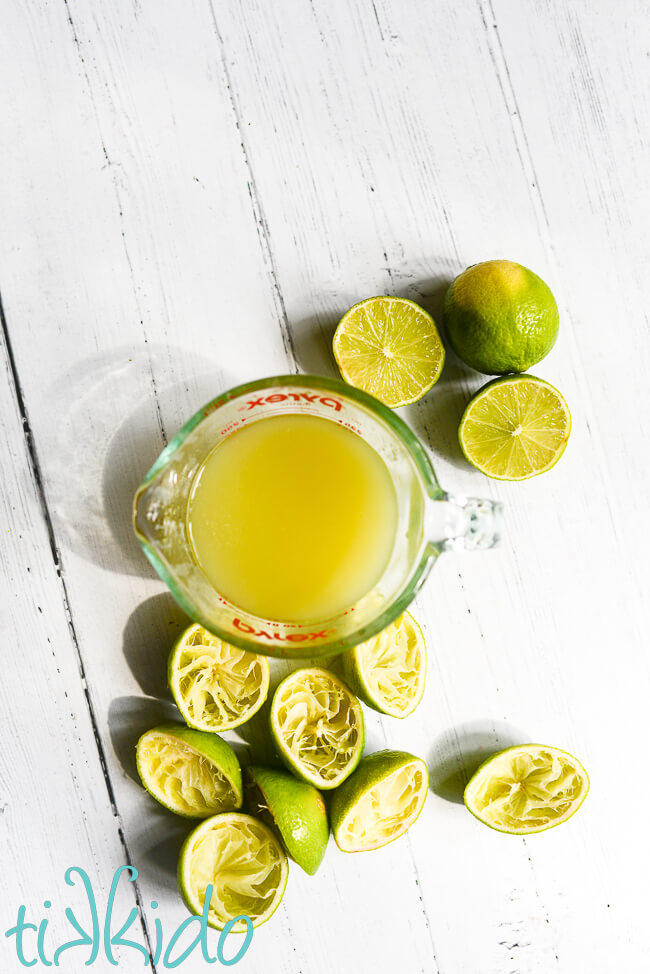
388	671
243	861
317	726
294	809
528	788
192	773
389	347
379	802
216	686
515	428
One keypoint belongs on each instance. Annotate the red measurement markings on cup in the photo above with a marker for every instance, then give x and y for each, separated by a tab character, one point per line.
277	397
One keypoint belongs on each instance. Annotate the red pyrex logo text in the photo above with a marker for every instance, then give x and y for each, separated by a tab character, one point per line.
292	637
296	397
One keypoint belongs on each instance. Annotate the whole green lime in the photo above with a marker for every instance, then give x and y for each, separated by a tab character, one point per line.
500	317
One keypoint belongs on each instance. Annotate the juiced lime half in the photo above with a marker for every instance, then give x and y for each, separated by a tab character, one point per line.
216	686
293	808
243	861
515	427
192	773
389	347
388	671
528	788
379	802
317	726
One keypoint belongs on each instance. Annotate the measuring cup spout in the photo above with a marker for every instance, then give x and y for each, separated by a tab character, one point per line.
455	523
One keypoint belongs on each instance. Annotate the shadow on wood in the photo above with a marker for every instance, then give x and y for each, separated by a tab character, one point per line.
312	341
160	859
108	418
149	634
128	719
458	752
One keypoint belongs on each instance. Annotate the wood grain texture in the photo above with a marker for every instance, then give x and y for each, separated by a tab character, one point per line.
192	196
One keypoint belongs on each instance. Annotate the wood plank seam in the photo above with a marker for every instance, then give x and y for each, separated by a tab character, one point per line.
261	223
109	164
35	469
520	138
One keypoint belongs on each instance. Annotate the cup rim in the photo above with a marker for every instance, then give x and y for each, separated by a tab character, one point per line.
397	425
388	415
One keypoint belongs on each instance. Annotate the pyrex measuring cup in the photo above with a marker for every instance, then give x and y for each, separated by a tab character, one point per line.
429	521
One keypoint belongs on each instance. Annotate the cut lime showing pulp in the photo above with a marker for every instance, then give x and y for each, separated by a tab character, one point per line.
389	347
317	726
388	671
528	788
379	802
515	428
192	773
295	809
243	861
216	686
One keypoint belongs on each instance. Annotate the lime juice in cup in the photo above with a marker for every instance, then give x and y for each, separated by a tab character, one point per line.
298	516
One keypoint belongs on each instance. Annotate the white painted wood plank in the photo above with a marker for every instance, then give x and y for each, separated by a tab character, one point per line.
409	141
379	154
112	359
92	397
56	811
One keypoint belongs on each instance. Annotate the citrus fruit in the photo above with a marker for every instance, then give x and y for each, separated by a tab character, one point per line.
216	686
500	317
388	671
293	808
515	427
317	726
389	347
243	861
379	802
528	788
192	773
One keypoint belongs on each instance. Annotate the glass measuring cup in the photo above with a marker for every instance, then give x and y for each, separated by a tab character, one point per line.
429	521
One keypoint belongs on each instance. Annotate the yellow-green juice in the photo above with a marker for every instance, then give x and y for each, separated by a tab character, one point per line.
293	518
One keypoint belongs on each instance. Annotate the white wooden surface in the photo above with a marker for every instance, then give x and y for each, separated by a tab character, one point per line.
191	195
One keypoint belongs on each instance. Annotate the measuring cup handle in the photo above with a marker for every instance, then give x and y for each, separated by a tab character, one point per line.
464	523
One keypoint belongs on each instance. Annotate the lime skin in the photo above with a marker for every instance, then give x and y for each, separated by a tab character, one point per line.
500	317
294	809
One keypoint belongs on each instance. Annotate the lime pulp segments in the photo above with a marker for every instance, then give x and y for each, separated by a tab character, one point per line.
243	861
528	788
389	347
380	801
388	671
317	726
216	686
188	771
515	427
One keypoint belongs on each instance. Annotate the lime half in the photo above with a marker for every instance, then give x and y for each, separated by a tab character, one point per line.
216	686
192	773
528	788
379	802
388	671
317	726
389	347
293	808
515	428
243	861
